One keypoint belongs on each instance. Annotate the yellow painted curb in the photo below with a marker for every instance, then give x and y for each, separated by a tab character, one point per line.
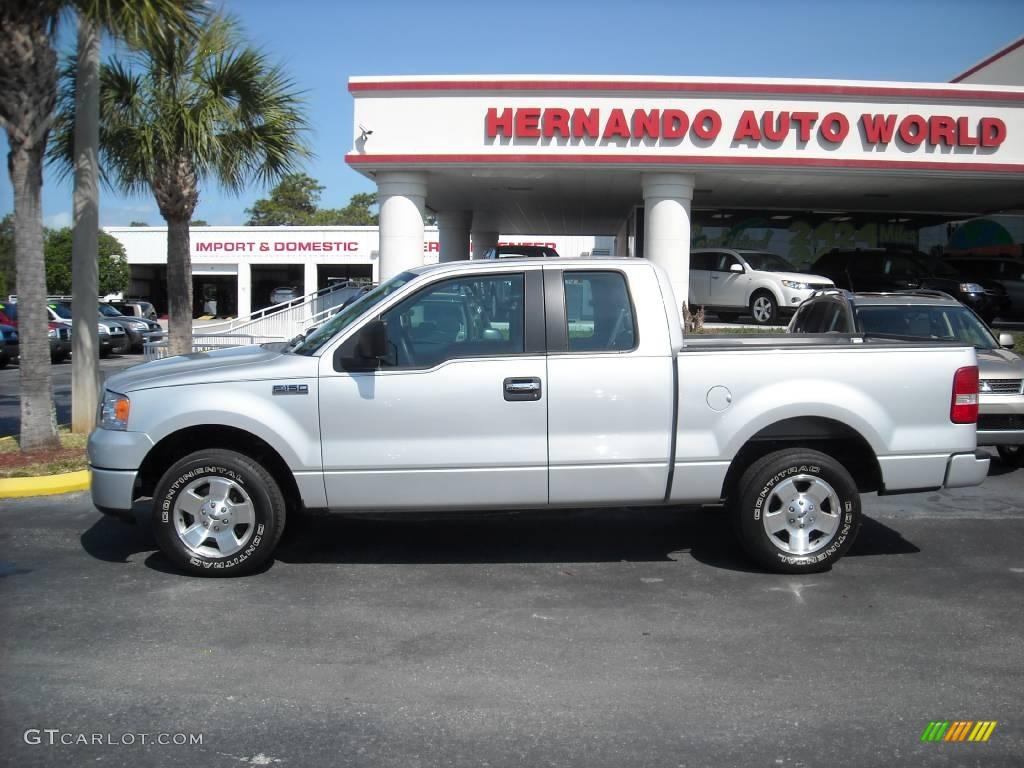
69	482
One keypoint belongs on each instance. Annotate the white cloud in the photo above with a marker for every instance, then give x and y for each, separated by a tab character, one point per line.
58	220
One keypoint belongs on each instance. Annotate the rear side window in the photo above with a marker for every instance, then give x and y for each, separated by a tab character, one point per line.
598	312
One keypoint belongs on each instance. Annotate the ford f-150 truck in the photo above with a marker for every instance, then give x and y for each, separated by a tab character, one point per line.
529	384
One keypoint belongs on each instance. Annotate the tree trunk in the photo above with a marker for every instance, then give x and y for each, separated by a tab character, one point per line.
85	358
38	422
179	286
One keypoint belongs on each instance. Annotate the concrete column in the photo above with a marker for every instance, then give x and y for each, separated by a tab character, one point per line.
453	232
667	198
485	233
401	195
244	288
622	241
309	277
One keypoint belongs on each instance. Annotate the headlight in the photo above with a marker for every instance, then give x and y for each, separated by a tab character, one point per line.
52	333
971	288
795	285
114	411
138	325
104	331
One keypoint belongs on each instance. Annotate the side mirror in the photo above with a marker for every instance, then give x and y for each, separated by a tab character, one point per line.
736	268
372	340
1006	340
364	350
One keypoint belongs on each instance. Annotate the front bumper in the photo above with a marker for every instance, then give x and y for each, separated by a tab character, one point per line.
119	343
985	304
114	459
1001	419
113	490
966	469
60	348
793	298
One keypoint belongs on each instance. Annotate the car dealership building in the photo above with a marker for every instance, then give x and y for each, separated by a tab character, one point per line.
645	167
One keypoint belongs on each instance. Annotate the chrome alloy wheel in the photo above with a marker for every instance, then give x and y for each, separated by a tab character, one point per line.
214	517
761	309
801	514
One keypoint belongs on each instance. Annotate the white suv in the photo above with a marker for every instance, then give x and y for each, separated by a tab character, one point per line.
731	282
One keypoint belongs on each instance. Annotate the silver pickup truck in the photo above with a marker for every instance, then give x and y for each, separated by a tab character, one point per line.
531	384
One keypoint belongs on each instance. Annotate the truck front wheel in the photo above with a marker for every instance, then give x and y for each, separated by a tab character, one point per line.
796	511
218	513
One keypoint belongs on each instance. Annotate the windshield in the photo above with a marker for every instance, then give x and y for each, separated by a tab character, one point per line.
767	262
938	323
109	311
63	311
311	343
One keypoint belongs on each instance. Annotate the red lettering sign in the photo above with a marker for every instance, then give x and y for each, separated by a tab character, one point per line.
769	126
878	129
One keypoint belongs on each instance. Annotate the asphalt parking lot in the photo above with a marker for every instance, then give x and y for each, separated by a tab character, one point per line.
10	408
595	638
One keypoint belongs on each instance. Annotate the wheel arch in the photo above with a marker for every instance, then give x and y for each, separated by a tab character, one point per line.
179	444
764	285
833	438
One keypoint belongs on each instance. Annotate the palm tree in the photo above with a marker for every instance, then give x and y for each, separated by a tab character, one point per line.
28	93
181	112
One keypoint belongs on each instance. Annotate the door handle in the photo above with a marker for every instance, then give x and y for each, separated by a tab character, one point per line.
518	389
714	277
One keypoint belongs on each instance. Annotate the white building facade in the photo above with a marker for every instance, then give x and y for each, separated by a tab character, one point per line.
238	267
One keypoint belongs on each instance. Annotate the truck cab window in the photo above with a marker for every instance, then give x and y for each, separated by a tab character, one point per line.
464	317
598	312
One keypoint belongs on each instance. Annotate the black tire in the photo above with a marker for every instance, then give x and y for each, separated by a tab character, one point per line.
764	308
4	360
55	359
763	490
1011	455
249	482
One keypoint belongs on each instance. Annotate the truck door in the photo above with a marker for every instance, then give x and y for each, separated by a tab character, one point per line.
456	414
700	278
609	388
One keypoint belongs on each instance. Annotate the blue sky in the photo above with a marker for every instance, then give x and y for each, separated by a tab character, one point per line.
323	42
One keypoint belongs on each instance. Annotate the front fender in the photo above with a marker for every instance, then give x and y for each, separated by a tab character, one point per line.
289	422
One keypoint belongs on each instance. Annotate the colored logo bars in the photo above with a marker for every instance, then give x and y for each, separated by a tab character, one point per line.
958	730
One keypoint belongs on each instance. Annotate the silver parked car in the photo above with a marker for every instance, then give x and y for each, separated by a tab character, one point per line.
934	316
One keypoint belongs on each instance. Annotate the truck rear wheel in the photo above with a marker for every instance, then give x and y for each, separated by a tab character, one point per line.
796	511
218	513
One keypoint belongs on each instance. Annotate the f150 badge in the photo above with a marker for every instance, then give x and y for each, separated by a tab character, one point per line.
291	389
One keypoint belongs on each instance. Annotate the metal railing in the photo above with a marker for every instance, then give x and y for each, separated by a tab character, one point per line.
155	346
281	320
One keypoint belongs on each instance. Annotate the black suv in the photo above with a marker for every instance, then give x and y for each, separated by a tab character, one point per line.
1007	271
887	269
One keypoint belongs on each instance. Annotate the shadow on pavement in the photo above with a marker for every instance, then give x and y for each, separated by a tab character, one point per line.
115	541
999	467
562	536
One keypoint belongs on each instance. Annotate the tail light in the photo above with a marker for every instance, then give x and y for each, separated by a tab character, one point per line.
963	408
